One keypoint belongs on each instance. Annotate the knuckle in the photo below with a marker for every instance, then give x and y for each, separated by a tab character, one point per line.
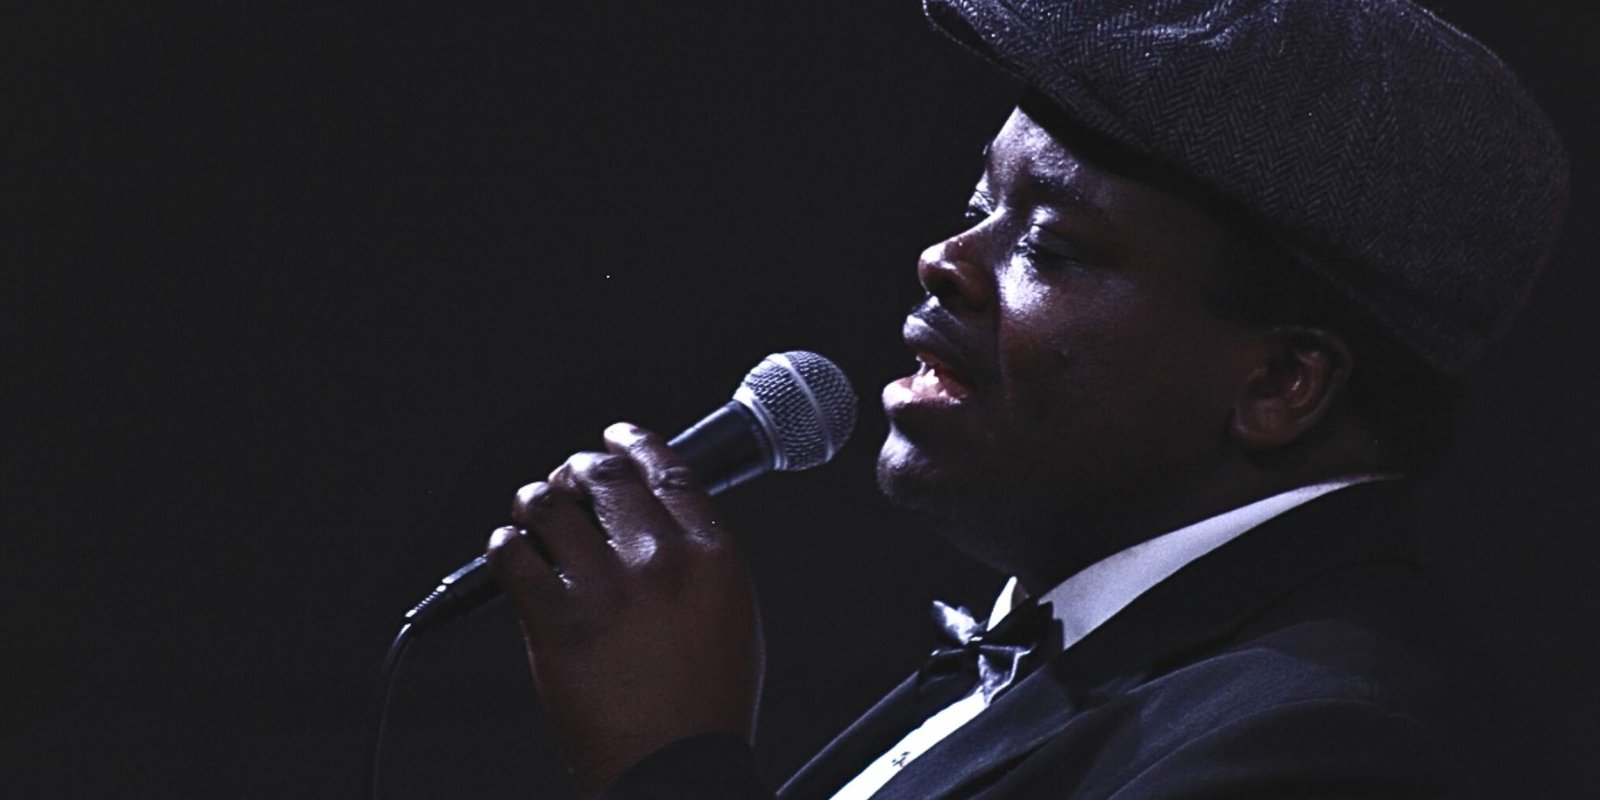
600	466
673	479
653	561
533	497
646	443
638	552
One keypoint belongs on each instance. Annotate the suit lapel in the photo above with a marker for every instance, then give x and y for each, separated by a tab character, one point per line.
1019	721
850	752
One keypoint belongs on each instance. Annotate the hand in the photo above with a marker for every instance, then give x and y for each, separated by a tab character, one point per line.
639	617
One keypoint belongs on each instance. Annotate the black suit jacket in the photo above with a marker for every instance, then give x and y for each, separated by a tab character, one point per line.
1275	666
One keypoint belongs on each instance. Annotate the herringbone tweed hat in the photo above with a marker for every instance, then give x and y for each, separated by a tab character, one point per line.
1393	155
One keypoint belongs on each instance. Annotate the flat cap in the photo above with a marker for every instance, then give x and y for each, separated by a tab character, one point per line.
1390	153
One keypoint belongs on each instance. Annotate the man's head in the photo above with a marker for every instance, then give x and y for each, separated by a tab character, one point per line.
1083	374
1205	259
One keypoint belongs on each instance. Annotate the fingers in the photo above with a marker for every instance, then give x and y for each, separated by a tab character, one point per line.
519	568
623	494
631	507
667	478
562	524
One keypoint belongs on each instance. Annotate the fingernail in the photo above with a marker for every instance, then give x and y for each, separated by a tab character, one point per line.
502	535
623	433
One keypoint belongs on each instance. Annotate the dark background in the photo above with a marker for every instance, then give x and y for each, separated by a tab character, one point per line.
304	291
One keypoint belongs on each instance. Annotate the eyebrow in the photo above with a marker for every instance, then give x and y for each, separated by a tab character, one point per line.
1054	188
1060	191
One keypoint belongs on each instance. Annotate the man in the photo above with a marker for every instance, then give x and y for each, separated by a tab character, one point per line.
1223	268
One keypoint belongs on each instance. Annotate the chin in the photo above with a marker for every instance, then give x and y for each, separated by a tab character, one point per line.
941	485
953	503
969	504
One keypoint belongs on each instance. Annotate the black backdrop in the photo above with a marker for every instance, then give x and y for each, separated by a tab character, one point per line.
305	290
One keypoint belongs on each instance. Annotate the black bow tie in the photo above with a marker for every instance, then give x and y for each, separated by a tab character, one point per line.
996	656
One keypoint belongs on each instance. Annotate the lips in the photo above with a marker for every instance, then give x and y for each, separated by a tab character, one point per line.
946	374
934	375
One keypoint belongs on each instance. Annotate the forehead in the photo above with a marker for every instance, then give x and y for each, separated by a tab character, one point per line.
1023	142
1131	196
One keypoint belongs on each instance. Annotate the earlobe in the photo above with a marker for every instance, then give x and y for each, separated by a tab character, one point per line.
1300	375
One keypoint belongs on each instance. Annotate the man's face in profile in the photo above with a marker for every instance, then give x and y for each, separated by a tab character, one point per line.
1070	368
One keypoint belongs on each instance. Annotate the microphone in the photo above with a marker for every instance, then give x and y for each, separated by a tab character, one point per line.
792	412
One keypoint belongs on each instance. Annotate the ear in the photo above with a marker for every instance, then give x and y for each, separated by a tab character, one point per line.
1299	375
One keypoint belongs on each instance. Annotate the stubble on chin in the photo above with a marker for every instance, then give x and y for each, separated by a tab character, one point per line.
949	495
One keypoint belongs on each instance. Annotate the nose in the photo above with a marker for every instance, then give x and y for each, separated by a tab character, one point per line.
952	272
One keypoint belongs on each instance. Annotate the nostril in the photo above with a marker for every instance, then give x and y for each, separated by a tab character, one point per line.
958	283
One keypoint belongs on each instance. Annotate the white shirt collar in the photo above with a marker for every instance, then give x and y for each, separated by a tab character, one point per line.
1084	601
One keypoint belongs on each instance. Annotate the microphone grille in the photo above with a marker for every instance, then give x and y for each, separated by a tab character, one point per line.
805	404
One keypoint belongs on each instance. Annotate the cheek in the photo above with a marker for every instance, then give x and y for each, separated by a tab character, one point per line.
1102	367
1033	342
1061	343
1168	372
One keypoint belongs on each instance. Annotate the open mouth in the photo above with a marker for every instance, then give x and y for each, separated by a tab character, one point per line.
937	383
933	379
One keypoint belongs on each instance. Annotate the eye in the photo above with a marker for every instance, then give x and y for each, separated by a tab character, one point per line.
1046	249
972	216
980	206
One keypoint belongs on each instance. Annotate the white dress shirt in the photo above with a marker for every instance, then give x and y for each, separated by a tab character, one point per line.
1084	601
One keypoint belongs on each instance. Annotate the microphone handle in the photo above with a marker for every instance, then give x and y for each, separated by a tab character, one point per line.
724	449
